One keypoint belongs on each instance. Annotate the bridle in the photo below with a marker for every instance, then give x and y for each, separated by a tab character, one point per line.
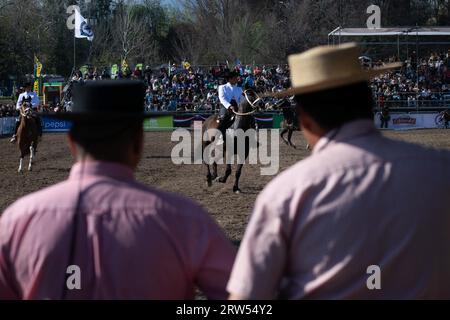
252	104
25	112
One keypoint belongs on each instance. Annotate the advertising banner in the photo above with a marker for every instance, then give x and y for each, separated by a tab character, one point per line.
265	121
410	121
160	123
7	126
55	125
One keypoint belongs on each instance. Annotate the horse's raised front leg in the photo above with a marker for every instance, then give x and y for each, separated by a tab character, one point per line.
208	176
20	165
291	132
282	136
238	176
226	176
214	173
31	157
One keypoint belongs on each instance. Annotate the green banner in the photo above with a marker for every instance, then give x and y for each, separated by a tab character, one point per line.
114	70
84	70
160	123
277	120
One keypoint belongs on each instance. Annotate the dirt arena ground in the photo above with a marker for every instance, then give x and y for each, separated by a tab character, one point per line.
230	211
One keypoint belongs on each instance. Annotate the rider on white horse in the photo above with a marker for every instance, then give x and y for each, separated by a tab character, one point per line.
34	106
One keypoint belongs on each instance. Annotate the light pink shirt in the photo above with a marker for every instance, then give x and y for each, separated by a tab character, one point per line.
132	242
359	200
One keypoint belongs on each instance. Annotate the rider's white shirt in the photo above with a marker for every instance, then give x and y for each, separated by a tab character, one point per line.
228	92
34	100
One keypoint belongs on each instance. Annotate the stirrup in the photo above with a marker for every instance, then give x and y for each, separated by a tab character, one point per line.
220	141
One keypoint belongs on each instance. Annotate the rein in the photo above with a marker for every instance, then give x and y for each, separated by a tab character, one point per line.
244	114
23	113
252	104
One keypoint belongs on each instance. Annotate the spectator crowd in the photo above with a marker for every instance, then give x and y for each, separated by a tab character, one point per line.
423	82
8	110
175	88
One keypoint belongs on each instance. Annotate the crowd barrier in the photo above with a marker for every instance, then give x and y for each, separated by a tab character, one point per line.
7	126
268	121
411	121
398	121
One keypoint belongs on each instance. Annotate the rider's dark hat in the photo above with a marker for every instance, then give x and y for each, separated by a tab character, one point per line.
230	74
106	100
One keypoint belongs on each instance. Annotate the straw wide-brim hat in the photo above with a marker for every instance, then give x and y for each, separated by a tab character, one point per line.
328	67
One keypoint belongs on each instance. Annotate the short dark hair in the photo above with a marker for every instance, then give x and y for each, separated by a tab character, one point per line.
333	108
105	141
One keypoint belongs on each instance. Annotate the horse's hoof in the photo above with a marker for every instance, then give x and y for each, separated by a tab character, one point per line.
209	183
237	190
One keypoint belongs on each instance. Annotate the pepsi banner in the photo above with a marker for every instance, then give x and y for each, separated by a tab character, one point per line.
55	125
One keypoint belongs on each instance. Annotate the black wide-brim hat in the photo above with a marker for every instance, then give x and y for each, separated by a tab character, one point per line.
106	100
230	74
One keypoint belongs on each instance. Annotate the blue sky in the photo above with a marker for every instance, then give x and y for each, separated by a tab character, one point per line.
175	3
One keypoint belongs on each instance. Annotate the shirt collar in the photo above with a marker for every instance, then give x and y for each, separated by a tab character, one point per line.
347	132
113	170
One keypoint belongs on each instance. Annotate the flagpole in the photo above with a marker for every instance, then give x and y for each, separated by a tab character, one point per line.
74	53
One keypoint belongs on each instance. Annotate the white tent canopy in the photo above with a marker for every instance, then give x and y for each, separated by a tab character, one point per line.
414	31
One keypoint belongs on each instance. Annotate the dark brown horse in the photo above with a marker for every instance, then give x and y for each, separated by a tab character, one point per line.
244	120
27	135
290	124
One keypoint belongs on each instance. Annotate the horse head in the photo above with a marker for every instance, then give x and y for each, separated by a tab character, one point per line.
26	110
282	104
252	102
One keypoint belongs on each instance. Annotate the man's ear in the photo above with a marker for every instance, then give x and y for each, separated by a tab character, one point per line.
138	144
72	145
304	120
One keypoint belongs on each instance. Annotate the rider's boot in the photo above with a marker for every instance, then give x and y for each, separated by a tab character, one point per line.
223	130
14	137
223	122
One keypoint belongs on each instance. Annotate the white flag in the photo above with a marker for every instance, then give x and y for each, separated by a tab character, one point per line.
82	28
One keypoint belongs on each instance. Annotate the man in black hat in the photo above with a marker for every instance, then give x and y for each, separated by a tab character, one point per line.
230	96
102	235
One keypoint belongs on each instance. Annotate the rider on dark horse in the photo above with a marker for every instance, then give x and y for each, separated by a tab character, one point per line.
385	117
230	96
446	117
289	114
33	99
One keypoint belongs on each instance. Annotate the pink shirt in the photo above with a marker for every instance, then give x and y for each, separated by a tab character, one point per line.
132	242
359	200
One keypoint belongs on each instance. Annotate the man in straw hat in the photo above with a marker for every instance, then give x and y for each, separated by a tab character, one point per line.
363	217
102	235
